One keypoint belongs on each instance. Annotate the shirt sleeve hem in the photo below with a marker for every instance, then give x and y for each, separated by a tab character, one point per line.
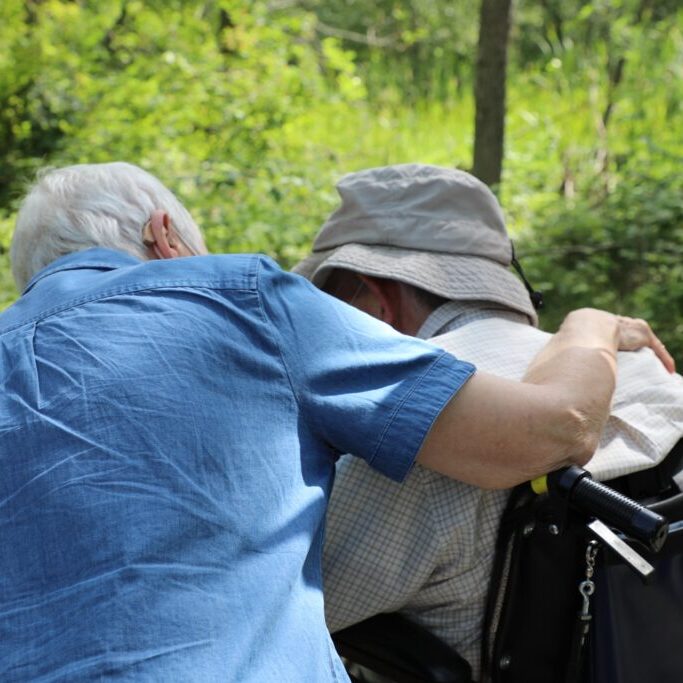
411	421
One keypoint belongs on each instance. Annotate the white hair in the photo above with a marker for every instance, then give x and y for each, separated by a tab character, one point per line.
91	205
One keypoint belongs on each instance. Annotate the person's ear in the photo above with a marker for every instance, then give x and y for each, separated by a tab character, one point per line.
159	237
386	297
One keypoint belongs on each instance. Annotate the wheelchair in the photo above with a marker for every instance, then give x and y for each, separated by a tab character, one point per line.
587	587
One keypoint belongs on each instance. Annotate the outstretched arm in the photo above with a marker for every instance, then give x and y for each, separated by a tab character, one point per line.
496	433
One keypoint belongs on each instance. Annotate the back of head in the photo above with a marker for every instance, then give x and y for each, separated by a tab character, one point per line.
91	205
438	229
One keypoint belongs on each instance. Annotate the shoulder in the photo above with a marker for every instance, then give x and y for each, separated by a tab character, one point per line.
217	276
220	271
226	272
495	345
238	271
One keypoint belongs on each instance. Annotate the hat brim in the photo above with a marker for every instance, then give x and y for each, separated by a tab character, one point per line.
452	276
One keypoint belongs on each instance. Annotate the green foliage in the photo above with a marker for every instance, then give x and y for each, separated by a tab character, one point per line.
405	50
196	92
622	252
251	110
7	289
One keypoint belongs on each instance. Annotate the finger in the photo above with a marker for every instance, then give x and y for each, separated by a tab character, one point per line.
657	346
635	333
663	355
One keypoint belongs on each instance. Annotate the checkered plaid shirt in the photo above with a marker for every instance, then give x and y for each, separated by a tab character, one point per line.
425	547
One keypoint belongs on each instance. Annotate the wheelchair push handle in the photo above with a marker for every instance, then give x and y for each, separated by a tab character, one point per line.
597	500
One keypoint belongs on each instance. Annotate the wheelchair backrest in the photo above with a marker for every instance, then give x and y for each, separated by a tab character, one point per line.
534	632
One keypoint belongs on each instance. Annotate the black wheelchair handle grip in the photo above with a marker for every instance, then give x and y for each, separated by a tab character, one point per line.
597	500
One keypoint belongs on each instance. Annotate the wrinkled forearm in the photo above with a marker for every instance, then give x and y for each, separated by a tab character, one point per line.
580	384
496	433
579	365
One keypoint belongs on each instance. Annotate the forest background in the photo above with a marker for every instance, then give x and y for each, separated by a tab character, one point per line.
251	110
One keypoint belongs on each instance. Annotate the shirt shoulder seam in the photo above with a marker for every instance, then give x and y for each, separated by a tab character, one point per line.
438	359
273	334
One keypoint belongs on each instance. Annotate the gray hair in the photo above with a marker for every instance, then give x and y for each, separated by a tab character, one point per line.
91	205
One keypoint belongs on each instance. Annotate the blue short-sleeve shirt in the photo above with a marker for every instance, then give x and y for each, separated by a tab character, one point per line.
168	432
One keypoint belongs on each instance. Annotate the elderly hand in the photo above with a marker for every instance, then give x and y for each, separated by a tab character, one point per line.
635	334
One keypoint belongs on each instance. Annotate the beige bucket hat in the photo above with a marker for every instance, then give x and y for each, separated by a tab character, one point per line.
436	228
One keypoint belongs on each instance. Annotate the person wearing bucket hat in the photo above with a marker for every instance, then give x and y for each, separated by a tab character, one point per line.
426	250
440	230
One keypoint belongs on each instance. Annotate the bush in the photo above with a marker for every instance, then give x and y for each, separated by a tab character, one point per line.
622	251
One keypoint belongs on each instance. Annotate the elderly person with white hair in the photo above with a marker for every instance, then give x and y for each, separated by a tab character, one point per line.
425	249
169	427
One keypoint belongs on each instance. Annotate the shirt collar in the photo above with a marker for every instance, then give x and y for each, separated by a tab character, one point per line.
97	258
455	314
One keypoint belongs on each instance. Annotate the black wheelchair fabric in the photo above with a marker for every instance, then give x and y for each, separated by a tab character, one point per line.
638	629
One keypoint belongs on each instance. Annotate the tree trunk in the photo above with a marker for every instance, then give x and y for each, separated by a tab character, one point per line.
489	90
